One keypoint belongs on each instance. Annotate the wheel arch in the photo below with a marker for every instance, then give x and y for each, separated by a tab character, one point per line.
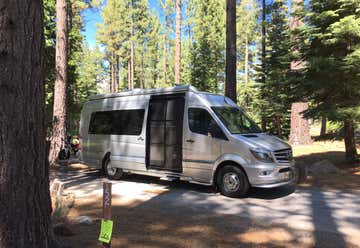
225	162
104	158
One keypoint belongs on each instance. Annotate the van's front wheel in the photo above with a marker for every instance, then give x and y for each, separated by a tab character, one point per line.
111	172
232	181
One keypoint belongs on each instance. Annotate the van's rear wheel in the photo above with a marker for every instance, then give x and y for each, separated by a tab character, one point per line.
111	172
232	181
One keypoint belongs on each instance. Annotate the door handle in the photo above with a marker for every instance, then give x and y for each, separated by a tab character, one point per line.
190	141
141	138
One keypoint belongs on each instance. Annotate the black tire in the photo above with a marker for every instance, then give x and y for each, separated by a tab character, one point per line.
112	173
232	182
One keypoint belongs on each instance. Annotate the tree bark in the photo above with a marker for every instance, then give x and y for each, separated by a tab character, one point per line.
165	48
59	109
263	41
277	124
299	129
230	85
178	43
263	123
132	52
246	66
116	85
132	55
25	205
349	138
111	76
323	126
129	74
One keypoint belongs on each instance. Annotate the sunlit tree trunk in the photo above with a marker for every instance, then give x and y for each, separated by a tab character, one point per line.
230	85
323	126
299	126
59	109
25	205
300	130
165	44
263	40
246	66
178	43
349	137
129	74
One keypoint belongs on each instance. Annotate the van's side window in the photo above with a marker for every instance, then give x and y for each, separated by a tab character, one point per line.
200	122
100	123
118	122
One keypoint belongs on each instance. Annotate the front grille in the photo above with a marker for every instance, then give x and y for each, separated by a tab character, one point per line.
283	156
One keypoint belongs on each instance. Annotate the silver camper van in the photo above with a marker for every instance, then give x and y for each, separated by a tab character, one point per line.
182	133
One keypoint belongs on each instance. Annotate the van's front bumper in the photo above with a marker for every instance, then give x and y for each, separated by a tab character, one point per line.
271	175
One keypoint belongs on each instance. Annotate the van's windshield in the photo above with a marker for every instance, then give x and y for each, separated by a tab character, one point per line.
236	121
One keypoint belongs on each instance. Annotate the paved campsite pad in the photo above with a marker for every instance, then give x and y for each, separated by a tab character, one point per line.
152	213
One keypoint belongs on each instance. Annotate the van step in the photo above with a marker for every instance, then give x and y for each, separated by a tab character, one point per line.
170	178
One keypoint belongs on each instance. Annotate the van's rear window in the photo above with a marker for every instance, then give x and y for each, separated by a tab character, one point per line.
117	122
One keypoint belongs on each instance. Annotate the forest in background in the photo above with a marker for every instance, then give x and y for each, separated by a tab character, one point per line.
136	49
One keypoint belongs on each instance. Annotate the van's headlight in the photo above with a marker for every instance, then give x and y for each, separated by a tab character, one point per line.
262	155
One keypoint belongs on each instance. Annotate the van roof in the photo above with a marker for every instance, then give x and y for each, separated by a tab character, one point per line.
174	89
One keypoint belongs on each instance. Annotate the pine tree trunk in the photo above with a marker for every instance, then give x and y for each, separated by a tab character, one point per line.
59	109
178	43
230	85
349	138
116	85
165	48
132	52
323	126
111	77
263	123
299	130
277	124
25	205
263	41
246	66
132	65
129	74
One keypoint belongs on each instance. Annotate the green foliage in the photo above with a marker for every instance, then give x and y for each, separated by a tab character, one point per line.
275	100
207	52
77	82
330	45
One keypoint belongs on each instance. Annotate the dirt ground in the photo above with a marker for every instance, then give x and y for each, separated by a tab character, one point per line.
322	212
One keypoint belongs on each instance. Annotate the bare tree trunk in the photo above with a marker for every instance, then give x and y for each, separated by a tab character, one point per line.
165	49
263	41
25	205
178	43
230	86
116	85
59	112
299	130
323	126
263	123
111	76
132	65
129	74
142	71
349	138
246	66
277	125
132	52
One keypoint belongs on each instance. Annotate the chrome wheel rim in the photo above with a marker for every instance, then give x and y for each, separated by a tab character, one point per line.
231	182
110	170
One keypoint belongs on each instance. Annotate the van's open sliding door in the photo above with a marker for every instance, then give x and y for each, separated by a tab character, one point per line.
164	132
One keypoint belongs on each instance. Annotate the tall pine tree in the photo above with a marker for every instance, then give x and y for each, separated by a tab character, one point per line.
330	44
